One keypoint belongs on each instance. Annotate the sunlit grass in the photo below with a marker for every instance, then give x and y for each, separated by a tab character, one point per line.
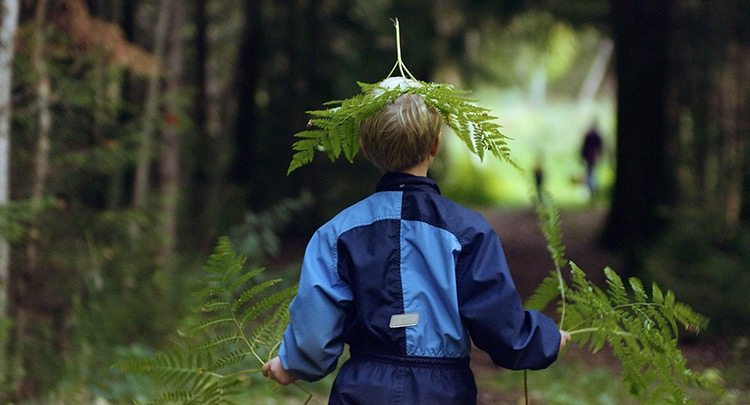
568	381
550	134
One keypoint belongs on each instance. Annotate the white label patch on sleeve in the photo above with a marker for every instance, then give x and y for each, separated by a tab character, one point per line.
404	320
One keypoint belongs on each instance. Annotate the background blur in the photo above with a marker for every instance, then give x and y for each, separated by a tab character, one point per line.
134	133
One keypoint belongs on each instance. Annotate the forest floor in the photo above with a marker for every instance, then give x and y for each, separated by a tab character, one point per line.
526	249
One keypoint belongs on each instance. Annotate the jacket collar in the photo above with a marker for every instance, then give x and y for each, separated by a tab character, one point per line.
397	181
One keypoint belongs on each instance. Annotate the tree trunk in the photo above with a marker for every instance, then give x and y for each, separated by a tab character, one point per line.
250	55
644	179
596	73
41	159
208	156
8	25
151	109
170	148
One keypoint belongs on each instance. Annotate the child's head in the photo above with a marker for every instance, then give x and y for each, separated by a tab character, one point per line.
402	134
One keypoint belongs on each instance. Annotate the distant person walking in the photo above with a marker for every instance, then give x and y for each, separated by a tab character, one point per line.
539	177
591	150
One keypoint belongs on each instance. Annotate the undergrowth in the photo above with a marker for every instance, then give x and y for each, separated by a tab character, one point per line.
245	316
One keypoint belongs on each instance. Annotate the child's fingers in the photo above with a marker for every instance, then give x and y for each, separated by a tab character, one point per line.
266	369
564	338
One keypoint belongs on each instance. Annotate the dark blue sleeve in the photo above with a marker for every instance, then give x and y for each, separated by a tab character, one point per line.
493	311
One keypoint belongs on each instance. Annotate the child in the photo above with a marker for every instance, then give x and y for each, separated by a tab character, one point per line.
409	280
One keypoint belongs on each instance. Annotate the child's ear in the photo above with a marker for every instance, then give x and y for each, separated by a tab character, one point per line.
362	148
436	147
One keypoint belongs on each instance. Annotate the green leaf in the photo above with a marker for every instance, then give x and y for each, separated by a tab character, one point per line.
642	332
243	317
336	129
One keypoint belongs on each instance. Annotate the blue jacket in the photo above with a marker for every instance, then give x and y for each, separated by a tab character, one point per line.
409	279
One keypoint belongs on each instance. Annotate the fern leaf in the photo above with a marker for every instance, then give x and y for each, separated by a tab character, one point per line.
219	341
642	333
175	369
243	317
545	293
273	327
231	359
549	218
211	323
214	306
335	130
272	301
638	290
251	293
617	292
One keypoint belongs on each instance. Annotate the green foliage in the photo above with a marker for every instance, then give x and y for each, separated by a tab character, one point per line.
336	130
243	319
258	236
640	328
552	286
15	216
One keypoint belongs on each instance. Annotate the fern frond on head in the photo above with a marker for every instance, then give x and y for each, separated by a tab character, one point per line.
335	130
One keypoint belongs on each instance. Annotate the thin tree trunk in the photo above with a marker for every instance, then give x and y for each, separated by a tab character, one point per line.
596	73
145	152
203	173
734	99
170	150
41	158
8	25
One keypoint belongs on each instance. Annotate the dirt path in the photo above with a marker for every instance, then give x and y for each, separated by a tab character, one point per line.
526	251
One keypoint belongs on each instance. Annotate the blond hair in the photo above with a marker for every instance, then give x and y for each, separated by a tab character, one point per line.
401	134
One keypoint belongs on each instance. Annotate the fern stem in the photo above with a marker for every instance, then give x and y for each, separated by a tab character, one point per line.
306	391
244	337
400	62
584	330
398	48
526	386
393	69
562	295
592	330
273	349
638	304
241	372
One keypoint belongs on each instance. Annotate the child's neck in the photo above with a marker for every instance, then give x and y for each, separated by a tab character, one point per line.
419	169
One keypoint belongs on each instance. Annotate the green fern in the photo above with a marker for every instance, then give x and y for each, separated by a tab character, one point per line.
335	130
640	328
242	327
552	286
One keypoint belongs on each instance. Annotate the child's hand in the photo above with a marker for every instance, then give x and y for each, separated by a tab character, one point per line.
275	371
564	337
